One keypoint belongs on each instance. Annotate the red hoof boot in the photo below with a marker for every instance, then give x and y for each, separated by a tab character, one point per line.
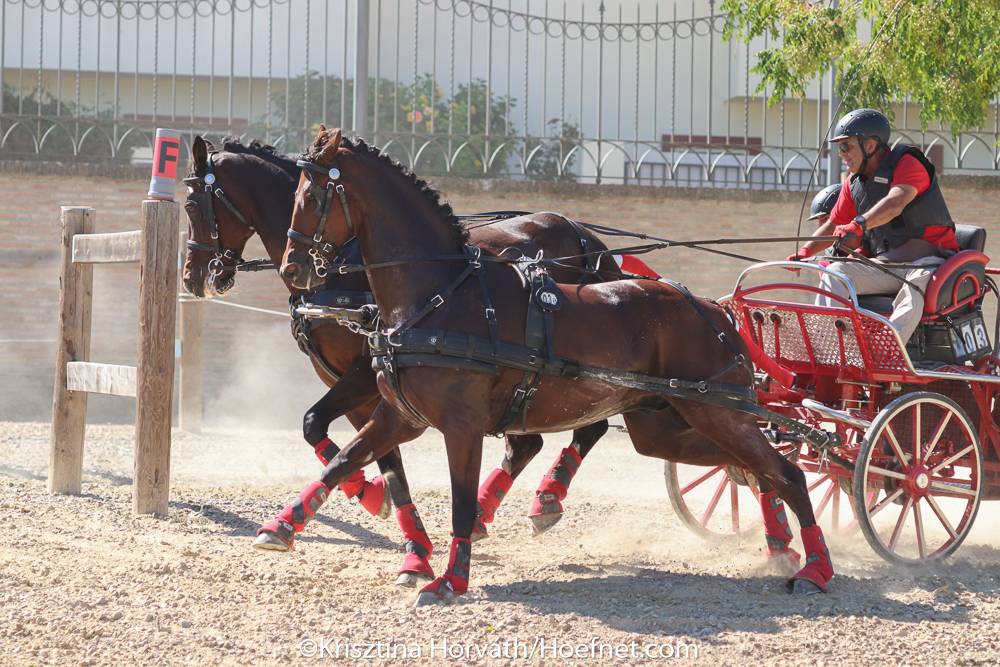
416	564
815	576
293	519
455	580
353	485
275	535
492	493
374	498
546	508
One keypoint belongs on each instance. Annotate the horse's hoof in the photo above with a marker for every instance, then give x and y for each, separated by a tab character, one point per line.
270	542
412	579
804	587
542	522
428	598
479	532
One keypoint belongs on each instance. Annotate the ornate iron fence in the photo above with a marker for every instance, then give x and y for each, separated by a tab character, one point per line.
641	92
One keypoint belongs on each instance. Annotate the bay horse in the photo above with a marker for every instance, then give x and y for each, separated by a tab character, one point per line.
608	344
242	190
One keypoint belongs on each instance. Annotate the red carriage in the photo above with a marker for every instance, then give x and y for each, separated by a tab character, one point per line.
919	444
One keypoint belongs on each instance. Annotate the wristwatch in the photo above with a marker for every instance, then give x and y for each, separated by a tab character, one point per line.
861	220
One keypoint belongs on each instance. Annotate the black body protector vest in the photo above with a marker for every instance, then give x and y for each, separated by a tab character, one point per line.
926	210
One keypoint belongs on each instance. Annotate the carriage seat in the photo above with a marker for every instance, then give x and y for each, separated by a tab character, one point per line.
955	283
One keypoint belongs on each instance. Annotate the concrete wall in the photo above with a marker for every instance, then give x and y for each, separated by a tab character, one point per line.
254	372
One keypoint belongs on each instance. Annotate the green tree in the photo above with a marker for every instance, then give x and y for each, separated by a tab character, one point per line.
944	54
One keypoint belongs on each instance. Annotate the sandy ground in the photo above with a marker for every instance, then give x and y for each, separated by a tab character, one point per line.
82	582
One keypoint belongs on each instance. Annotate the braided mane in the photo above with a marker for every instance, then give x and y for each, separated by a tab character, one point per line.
264	151
433	196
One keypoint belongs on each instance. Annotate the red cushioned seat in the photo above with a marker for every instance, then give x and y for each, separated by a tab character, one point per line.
956	283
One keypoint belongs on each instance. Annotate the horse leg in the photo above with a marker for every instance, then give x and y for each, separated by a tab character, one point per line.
417	544
546	508
383	432
520	450
738	433
356	388
465	453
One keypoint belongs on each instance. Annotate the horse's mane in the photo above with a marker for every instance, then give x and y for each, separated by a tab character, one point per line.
264	151
433	196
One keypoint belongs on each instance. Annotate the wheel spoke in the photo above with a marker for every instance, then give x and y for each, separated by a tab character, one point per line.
951	459
895	443
812	487
826	499
734	506
836	505
700	480
920	528
941	517
888	500
886	473
715	501
938	434
947	488
899	524
916	432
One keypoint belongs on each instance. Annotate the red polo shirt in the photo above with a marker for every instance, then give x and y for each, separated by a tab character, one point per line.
908	171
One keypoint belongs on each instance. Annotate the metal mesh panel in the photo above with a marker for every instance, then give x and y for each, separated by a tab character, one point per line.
883	346
825	339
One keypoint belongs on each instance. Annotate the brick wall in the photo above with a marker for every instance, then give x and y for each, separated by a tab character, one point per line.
249	357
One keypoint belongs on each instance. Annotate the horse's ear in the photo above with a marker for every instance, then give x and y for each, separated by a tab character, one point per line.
331	145
199	152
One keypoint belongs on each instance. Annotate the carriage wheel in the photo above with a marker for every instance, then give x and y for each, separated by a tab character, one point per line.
923	458
715	502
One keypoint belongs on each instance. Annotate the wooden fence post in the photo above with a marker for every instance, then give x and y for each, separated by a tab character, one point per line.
69	408
155	368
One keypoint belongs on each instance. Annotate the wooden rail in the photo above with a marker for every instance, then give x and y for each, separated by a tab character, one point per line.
154	247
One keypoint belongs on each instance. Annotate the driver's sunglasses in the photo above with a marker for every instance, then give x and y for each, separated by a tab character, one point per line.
844	147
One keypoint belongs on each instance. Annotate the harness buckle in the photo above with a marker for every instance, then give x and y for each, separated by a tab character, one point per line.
703	387
491	314
437	301
674	383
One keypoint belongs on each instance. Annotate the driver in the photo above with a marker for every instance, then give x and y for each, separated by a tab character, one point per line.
892	204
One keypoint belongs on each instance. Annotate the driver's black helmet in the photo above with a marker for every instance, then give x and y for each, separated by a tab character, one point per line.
824	200
862	123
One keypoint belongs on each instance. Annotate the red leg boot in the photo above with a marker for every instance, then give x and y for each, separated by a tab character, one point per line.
371	494
455	580
813	578
416	563
491	494
546	508
777	532
325	451
278	534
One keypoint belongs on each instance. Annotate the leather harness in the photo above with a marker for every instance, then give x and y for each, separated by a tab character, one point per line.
406	346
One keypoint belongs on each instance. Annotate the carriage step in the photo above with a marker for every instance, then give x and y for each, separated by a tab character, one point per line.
835	415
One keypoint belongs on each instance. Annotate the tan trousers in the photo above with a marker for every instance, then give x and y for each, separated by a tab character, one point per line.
907	308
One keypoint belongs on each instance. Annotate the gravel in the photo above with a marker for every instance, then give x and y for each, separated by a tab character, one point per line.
83	582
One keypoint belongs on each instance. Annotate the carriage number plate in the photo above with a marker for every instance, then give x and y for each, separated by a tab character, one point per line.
970	339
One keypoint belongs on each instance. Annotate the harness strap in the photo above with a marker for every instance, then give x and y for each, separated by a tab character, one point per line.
438	299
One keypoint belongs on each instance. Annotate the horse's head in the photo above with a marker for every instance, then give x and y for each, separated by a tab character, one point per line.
323	219
217	230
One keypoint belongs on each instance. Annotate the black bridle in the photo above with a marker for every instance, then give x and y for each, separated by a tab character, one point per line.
323	253
201	190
